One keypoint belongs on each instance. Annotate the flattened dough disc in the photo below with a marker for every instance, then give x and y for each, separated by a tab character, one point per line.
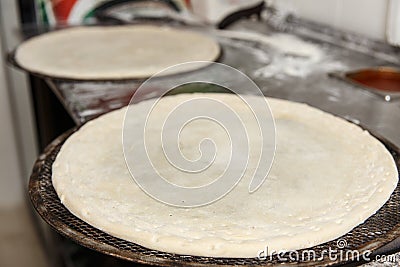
114	52
328	176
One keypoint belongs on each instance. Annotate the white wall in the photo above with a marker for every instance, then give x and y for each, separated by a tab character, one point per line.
18	88
10	175
366	17
18	148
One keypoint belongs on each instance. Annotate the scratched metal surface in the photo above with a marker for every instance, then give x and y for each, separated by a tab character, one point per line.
343	52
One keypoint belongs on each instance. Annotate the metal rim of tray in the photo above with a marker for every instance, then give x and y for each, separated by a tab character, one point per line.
377	231
13	61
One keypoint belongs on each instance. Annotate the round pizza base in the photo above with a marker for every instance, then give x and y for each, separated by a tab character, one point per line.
328	176
115	52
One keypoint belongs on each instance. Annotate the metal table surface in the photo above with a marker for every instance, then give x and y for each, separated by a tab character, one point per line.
85	100
312	84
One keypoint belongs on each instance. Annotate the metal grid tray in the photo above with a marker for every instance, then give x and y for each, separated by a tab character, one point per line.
380	229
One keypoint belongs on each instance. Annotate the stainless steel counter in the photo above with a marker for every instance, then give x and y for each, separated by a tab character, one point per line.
86	100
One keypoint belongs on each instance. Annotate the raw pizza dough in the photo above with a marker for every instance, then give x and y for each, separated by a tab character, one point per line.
114	52
328	176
